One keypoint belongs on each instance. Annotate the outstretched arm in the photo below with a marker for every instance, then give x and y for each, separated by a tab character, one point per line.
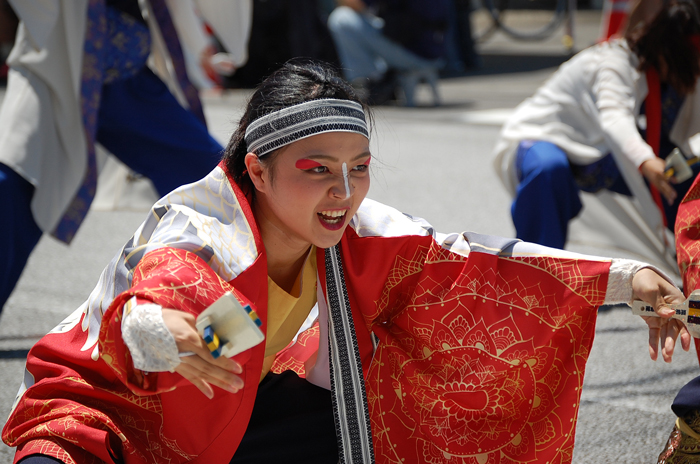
633	280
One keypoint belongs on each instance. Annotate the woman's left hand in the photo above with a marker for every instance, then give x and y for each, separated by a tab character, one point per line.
655	172
653	289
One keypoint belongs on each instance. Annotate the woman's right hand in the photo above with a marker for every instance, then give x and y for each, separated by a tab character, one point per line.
200	368
654	171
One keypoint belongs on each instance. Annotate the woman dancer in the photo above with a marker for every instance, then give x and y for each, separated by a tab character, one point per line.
427	346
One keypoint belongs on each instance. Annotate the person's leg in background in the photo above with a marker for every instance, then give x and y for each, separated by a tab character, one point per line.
143	125
360	43
351	30
20	232
547	197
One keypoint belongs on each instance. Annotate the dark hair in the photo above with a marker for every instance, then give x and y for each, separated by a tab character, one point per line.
667	38
299	80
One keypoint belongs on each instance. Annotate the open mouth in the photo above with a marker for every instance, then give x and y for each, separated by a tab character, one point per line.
332	220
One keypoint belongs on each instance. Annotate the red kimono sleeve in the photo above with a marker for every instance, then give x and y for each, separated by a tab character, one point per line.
171	278
480	358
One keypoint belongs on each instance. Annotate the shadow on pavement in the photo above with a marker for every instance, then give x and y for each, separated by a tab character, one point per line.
497	63
13	354
658	379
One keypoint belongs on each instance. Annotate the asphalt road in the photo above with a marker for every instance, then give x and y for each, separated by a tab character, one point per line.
434	163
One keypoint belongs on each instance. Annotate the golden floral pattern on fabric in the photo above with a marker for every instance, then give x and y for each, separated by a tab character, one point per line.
486	367
403	268
688	240
291	359
130	409
172	278
567	272
210	205
175	264
51	448
61	416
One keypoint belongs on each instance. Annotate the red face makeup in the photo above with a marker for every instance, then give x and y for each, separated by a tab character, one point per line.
309	202
305	164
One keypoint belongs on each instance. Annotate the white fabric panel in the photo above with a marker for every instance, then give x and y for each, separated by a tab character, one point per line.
374	219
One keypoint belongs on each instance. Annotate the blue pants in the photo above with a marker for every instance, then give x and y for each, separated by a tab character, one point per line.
364	51
40	459
143	125
20	233
547	197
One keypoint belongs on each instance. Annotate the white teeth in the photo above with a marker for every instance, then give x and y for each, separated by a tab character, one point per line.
333	213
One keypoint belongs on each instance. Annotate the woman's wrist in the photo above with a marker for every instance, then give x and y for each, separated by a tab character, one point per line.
622	272
152	346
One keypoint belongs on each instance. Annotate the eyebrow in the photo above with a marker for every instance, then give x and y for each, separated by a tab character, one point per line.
333	158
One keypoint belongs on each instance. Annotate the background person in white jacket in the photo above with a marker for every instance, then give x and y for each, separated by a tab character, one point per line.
111	72
579	131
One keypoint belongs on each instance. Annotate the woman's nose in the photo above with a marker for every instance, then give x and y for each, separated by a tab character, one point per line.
342	187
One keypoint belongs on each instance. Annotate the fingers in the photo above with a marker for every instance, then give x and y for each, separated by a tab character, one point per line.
669	334
667	190
200	368
654	334
203	374
663	334
654	171
202	352
663	330
661	306
686	338
203	370
188	374
653	289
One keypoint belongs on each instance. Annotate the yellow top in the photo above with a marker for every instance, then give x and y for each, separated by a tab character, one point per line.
286	313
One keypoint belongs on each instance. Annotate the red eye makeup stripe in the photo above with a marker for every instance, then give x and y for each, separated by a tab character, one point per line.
366	163
307	164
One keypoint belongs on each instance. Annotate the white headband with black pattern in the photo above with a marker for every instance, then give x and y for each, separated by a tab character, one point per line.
280	128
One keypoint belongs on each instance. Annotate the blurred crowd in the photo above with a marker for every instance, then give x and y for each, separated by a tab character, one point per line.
378	43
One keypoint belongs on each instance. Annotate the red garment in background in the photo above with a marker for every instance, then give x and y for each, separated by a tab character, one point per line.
687	231
614	18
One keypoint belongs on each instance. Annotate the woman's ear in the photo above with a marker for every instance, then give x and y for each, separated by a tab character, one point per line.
255	171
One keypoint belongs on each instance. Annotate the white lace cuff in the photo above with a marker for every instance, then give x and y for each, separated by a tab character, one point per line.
622	272
152	346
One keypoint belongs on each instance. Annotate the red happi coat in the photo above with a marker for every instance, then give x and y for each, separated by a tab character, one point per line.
480	355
